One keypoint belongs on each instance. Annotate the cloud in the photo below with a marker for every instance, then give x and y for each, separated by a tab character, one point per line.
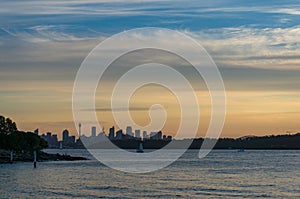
91	7
54	33
290	11
138	13
122	7
123	109
268	48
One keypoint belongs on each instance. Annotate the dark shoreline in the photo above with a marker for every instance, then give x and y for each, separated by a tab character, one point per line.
278	142
42	156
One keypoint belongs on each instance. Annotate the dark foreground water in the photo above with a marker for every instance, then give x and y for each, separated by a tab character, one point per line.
222	174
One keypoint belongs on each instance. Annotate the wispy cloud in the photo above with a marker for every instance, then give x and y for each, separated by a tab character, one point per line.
133	7
269	48
55	33
122	109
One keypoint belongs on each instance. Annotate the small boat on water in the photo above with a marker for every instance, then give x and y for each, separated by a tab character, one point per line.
140	149
241	150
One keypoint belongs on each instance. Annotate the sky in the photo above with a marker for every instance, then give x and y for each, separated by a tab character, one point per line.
255	44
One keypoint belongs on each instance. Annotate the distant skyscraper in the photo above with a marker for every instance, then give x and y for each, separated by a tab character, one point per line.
119	135
129	130
144	135
79	125
111	134
71	140
137	133
159	135
65	135
152	135
94	131
156	136
48	135
54	137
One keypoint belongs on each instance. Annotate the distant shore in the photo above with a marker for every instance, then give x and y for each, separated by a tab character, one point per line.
277	142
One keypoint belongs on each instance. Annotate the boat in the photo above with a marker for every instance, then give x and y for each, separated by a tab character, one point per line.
241	150
140	149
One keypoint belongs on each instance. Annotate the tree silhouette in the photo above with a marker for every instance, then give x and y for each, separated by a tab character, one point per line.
12	139
7	126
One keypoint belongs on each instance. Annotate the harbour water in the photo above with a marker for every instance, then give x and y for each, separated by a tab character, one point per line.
222	174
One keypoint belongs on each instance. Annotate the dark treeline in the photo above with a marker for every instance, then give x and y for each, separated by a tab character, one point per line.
263	142
13	139
254	142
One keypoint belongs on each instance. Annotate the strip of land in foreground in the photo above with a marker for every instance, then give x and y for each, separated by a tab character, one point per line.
25	156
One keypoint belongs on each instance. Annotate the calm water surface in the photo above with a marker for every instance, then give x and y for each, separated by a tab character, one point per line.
222	174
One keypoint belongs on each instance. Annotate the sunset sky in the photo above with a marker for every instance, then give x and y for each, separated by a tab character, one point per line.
255	44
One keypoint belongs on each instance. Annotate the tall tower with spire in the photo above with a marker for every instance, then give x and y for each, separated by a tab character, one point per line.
79	125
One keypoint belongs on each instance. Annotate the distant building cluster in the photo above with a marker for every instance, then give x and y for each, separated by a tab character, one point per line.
119	135
66	142
51	139
129	134
113	134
